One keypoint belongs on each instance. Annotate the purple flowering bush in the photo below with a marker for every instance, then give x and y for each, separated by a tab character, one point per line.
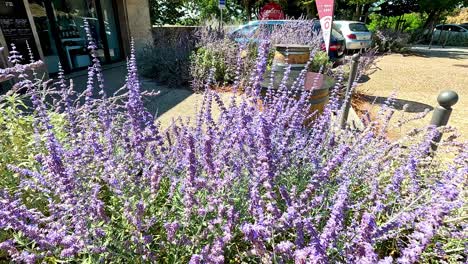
219	51
267	182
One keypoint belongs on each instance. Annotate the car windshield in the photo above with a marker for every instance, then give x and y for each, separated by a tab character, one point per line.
337	35
247	30
358	27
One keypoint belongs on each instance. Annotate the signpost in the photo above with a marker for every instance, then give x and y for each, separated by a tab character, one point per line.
325	10
221	6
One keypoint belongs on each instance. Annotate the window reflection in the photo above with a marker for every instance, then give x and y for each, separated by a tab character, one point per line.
60	26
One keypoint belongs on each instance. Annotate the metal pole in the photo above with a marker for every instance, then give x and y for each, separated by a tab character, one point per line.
441	31
221	21
433	29
448	36
347	102
441	115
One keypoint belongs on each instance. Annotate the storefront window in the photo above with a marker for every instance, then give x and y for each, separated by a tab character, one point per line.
44	31
70	16
112	33
62	33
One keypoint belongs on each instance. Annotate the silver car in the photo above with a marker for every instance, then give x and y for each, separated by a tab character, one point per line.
356	34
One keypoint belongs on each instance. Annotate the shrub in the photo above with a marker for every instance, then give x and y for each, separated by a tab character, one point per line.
390	41
233	60
255	185
320	61
221	55
167	59
411	22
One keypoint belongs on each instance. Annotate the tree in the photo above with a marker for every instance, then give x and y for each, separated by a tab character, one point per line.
360	7
192	12
397	7
435	9
165	12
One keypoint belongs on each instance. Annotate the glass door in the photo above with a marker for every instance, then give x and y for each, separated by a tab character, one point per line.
45	29
70	16
111	29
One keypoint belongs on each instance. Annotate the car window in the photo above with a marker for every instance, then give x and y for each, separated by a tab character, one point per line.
441	27
464	26
337	26
455	29
336	34
358	27
247	30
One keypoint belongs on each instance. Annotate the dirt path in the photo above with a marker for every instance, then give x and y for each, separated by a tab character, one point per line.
417	79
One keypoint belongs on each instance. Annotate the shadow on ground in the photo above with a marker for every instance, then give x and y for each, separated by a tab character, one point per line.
167	99
364	78
448	53
399	104
114	79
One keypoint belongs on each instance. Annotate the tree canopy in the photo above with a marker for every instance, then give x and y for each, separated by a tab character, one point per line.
195	11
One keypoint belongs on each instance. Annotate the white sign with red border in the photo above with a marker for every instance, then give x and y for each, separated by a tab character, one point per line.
325	10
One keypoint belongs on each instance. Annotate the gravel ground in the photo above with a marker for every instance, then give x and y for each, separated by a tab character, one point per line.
417	79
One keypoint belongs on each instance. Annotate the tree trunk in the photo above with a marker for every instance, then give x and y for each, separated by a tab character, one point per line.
365	12
357	13
247	11
431	19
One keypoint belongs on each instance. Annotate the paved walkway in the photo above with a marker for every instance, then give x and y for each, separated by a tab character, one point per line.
418	78
459	53
114	78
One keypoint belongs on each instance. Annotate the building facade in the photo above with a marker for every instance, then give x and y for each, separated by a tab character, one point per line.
54	29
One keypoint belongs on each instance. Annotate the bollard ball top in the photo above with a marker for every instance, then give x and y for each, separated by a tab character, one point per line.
447	98
356	57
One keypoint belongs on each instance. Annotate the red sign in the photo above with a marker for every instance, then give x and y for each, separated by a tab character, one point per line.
271	11
325	10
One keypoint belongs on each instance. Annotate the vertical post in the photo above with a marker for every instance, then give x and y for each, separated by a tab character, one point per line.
441	31
448	36
221	20
433	29
221	6
348	95
441	115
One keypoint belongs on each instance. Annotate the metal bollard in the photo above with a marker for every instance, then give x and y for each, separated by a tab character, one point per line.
348	95
441	115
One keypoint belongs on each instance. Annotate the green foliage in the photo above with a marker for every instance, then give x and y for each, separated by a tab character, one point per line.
208	9
165	12
16	134
388	40
412	22
17	144
440	5
190	12
320	61
218	57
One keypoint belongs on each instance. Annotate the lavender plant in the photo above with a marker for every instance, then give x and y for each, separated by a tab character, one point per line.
259	184
220	50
